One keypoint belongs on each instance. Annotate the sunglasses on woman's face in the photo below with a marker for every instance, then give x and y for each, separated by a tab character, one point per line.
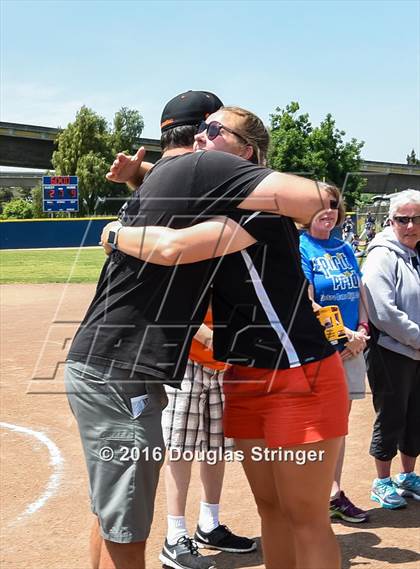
405	219
213	129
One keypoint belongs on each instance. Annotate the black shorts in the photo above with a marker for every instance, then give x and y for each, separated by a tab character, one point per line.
395	383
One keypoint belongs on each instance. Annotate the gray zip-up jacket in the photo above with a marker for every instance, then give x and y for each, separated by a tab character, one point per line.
392	283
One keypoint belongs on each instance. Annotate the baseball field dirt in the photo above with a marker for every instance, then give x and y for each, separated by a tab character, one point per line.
45	517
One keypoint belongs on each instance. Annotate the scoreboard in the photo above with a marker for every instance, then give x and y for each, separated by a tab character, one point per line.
60	193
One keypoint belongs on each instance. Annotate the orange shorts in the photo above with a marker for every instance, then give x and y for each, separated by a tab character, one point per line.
287	407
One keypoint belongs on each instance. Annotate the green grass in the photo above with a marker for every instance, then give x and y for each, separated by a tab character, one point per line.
51	266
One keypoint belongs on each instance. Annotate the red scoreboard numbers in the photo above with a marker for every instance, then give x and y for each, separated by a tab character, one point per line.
60	193
60	180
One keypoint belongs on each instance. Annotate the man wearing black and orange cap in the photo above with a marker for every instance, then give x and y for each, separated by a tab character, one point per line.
178	124
134	337
193	419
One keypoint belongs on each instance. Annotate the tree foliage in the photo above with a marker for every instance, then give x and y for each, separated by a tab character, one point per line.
24	193
86	148
128	126
318	152
36	198
5	196
17	208
412	159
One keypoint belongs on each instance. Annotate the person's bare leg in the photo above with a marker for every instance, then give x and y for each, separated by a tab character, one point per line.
408	463
106	554
95	544
383	468
336	486
305	492
276	536
212	481
122	555
177	481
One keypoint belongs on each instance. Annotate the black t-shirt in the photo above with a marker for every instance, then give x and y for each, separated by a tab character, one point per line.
261	310
143	316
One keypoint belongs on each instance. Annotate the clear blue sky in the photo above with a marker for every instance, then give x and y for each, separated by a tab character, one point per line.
356	60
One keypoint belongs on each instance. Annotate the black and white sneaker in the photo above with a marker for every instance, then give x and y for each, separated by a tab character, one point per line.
223	539
184	555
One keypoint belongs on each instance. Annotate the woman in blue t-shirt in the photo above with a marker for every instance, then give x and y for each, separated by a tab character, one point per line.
334	278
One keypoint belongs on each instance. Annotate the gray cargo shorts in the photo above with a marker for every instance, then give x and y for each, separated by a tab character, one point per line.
123	447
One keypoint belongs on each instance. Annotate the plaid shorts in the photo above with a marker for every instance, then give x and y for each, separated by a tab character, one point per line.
193	418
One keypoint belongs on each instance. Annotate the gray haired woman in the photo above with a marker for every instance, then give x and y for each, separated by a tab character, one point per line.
392	279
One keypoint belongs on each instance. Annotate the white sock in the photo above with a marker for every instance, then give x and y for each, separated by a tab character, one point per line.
209	517
176	529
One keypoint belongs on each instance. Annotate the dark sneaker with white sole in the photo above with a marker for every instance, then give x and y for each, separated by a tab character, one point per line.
184	555
223	539
344	509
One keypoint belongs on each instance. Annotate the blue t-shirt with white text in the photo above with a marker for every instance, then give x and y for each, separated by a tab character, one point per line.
332	269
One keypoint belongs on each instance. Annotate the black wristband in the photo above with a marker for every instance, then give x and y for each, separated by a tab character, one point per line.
112	240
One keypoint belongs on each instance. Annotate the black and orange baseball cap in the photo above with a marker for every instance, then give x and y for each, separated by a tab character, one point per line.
189	108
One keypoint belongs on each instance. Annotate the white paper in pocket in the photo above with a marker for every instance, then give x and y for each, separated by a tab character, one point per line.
138	404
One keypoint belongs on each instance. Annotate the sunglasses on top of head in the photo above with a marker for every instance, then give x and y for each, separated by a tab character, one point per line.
213	129
405	219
